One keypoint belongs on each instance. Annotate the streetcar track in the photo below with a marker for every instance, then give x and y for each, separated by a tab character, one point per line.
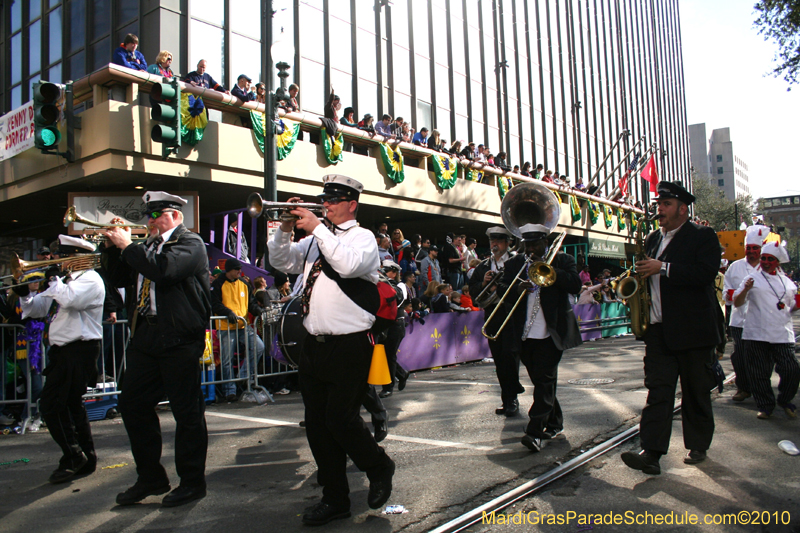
460	523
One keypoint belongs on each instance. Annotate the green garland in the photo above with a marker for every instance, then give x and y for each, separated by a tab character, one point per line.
393	162
332	145
445	169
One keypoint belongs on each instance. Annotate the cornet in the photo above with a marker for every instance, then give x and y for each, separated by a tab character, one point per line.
71	216
256	206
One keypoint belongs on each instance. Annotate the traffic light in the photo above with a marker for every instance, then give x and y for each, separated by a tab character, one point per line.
167	110
45	115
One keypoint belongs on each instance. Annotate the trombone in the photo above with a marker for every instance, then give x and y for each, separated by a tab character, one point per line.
256	206
18	268
72	216
540	273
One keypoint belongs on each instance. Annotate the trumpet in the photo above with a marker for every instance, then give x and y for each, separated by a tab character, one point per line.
72	216
256	206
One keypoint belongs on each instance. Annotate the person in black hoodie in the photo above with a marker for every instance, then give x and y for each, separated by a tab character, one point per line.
169	305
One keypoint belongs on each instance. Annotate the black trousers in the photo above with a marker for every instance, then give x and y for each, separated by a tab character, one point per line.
70	370
149	376
541	358
333	379
506	364
374	406
662	369
739	360
394	336
762	357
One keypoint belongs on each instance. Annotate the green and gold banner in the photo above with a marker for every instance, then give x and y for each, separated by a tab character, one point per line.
286	132
594	211
393	162
504	185
193	119
620	219
608	218
445	169
575	208
472	174
332	145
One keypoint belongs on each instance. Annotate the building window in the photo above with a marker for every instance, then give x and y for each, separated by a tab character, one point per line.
721	183
720	170
719	159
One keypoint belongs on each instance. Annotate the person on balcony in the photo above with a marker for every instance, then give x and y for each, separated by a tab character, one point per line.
292	106
200	78
332	106
468	152
500	162
242	89
233	237
261	93
128	56
421	137
163	65
383	127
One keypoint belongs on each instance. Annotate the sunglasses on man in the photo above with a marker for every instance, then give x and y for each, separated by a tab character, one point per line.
155	214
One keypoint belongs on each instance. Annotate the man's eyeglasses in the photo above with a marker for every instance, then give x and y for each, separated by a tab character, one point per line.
336	200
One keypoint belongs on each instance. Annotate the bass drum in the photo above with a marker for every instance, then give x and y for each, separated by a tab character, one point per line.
291	332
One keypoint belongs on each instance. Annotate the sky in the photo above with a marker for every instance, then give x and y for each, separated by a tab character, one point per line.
727	67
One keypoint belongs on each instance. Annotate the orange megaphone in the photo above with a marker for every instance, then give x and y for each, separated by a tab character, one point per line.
379	368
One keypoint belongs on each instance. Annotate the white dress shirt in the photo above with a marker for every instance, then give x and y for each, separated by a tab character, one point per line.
538	330
80	313
736	273
352	252
764	321
655	281
153	250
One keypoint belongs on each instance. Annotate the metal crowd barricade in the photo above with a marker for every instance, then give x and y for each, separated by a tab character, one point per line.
269	323
10	334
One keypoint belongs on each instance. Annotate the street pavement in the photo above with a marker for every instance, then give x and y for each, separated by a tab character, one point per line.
452	452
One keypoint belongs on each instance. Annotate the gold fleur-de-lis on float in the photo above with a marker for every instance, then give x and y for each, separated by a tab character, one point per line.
436	336
466	334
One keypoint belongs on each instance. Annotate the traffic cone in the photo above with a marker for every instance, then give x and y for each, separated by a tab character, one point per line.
379	368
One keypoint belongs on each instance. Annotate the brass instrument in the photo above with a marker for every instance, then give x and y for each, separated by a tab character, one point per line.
529	203
632	289
71	216
17	268
256	206
488	296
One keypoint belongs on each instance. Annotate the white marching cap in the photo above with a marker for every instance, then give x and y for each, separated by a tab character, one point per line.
756	235
163	200
498	230
389	264
776	250
68	240
339	185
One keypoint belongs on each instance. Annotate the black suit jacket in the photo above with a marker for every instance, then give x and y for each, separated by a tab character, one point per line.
561	322
689	309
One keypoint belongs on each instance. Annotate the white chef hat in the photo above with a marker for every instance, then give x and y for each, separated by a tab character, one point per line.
756	235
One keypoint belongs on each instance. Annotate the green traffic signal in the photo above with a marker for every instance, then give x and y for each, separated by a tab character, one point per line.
166	110
46	114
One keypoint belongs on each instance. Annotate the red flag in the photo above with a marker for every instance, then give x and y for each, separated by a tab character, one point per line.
623	185
651	174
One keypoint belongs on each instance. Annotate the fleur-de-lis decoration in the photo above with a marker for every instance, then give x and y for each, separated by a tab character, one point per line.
436	336
466	332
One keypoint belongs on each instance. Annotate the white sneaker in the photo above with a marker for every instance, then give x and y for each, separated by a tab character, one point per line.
6	420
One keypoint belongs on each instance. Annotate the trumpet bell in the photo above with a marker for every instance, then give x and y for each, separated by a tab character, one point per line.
542	274
255	205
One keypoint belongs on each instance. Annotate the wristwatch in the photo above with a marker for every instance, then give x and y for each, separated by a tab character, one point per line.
663	268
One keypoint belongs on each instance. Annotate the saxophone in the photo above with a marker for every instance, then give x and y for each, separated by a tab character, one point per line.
634	290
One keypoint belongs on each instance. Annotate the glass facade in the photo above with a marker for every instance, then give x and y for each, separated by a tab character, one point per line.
554	82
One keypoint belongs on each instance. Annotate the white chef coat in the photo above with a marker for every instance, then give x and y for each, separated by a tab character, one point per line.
764	321
736	273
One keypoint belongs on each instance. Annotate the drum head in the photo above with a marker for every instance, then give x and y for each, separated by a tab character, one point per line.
291	332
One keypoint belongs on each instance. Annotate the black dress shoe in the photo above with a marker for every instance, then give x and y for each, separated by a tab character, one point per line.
90	466
401	381
551	433
139	491
67	469
385	393
645	461
500	410
183	495
381	430
694	457
512	409
381	488
322	513
534	444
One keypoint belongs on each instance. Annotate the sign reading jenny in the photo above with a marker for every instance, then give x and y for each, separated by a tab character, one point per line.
606	248
103	207
16	131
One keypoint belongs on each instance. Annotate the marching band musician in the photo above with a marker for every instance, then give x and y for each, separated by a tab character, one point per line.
543	326
72	307
685	326
340	267
737	272
506	361
169	279
768	333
